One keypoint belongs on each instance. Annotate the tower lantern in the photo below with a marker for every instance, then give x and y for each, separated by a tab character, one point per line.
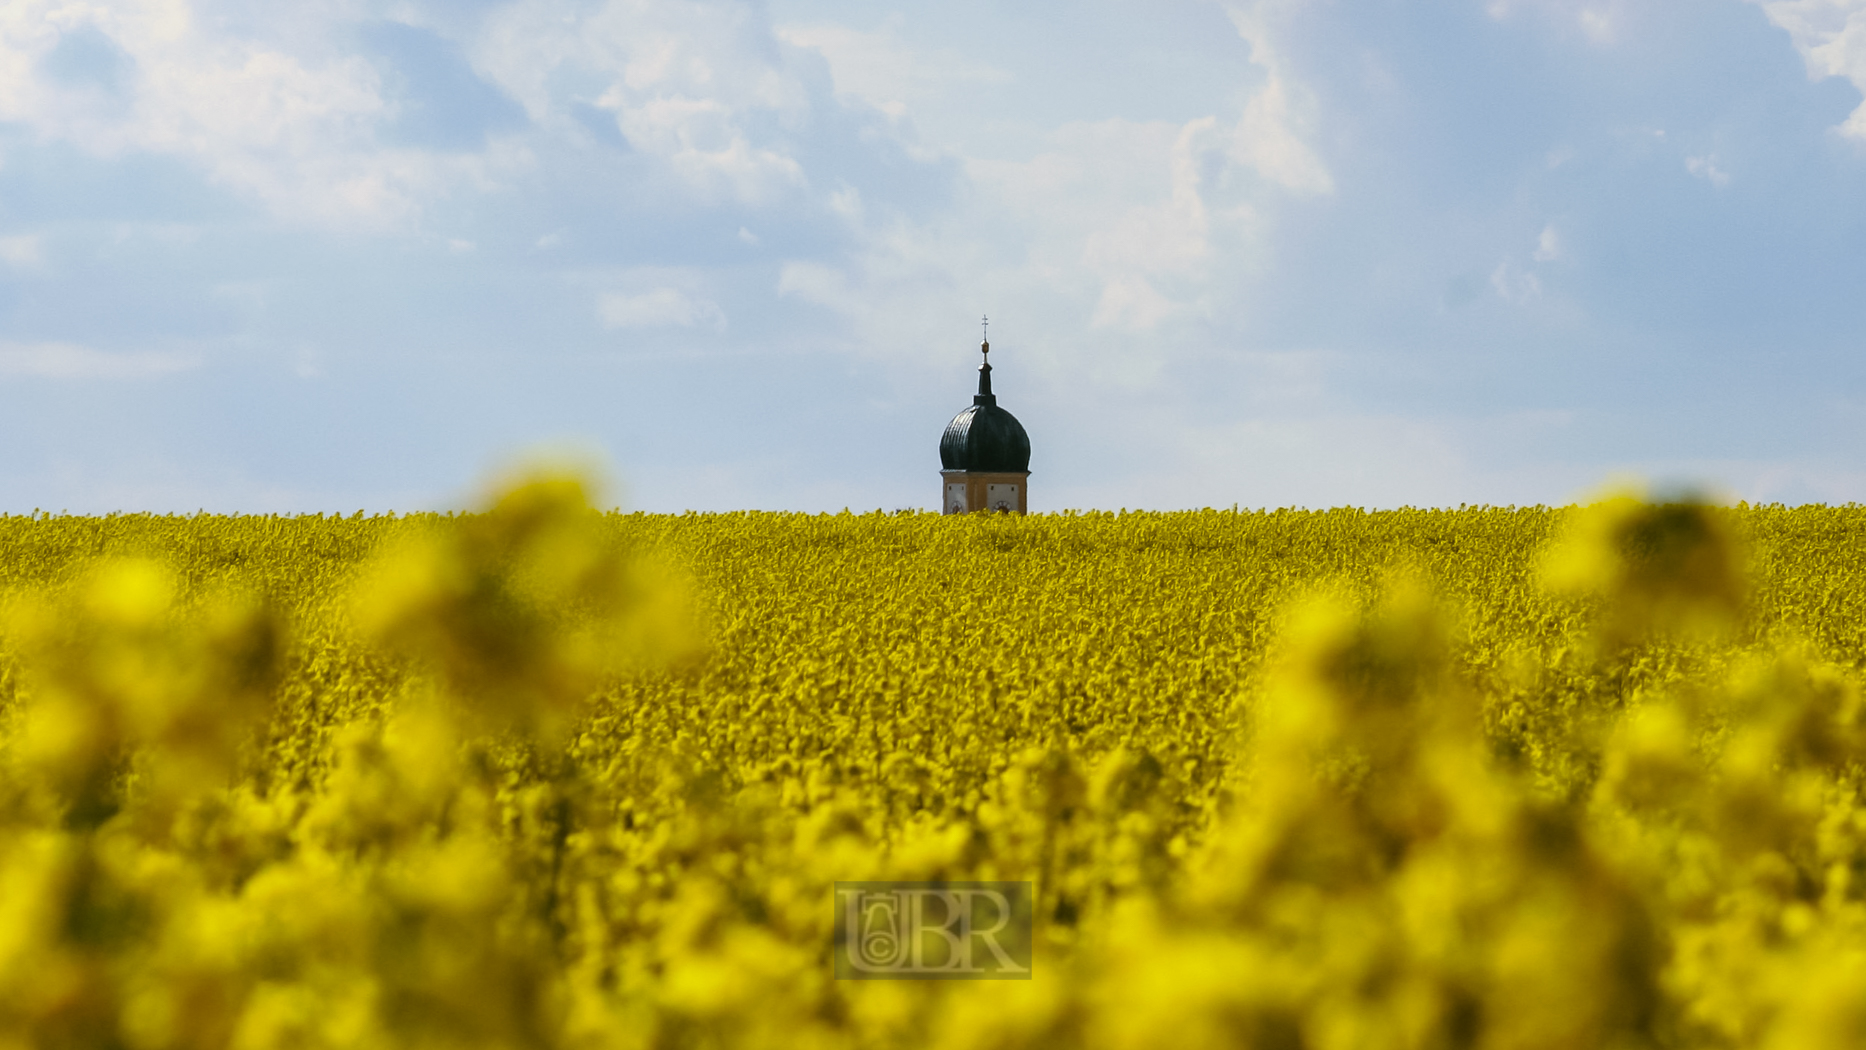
984	454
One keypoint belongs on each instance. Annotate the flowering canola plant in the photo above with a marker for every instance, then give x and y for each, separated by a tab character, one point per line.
541	776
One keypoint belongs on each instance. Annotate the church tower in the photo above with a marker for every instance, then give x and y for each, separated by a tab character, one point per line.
984	455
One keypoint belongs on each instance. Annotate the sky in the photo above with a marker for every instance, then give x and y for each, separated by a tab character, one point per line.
340	254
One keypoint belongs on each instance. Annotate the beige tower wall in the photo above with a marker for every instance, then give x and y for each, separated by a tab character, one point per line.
964	491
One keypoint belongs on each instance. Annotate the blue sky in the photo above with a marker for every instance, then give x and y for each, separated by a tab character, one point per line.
340	254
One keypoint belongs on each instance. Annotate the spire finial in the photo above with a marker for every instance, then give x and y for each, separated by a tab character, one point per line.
984	370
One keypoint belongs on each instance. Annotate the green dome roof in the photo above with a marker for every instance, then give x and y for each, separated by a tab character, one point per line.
985	438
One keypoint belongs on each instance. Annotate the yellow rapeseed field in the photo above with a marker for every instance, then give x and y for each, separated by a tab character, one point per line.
541	776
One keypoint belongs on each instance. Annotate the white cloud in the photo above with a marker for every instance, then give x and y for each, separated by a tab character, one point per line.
1548	245
701	139
1132	302
275	105
297	130
20	250
1602	23
1831	36
1112	208
1101	231
883	71
1268	139
1513	284
54	360
1271	135
662	307
1103	228
1706	168
685	82
819	284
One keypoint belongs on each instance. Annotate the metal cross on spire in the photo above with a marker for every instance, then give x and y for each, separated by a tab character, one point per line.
984	345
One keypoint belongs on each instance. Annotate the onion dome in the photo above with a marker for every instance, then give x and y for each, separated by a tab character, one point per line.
985	437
